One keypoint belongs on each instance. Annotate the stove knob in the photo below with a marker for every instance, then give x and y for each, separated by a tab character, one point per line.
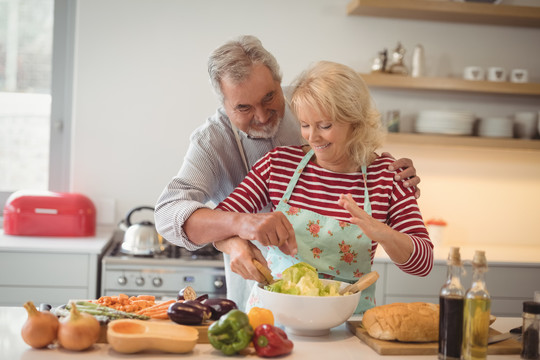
157	282
139	281
218	283
122	280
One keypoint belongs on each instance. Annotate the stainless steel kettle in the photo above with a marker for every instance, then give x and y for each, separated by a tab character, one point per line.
141	238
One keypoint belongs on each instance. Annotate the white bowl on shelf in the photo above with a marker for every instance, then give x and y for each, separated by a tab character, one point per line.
445	122
499	127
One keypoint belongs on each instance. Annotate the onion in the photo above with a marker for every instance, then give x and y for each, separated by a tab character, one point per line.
41	327
78	331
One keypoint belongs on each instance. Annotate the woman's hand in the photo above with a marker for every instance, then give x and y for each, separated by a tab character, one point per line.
374	229
242	252
408	173
397	245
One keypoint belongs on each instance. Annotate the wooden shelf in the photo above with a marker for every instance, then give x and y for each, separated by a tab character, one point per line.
465	141
451	11
450	84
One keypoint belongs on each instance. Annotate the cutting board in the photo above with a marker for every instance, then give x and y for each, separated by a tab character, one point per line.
384	347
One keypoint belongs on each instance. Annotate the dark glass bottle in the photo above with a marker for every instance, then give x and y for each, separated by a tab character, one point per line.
476	312
451	301
530	349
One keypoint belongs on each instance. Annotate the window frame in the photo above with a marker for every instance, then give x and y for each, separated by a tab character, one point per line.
61	98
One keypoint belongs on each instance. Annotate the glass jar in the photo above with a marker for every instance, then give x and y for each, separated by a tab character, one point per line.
530	348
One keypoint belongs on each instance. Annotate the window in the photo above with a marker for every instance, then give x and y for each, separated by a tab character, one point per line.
36	58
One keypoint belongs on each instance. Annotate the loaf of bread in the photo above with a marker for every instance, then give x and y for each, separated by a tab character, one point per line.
408	322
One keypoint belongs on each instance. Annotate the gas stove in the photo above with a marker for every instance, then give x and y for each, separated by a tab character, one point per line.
164	274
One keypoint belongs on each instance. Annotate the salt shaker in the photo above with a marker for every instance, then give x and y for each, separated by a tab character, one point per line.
530	348
418	61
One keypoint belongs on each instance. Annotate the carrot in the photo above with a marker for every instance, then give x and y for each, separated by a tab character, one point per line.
163	316
161	306
142	303
157	313
127	303
151	298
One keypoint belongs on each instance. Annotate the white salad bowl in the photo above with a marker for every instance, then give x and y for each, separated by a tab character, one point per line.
309	315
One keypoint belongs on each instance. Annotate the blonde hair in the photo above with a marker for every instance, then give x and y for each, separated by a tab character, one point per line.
339	94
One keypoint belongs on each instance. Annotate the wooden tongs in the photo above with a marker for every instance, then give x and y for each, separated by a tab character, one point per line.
268	278
363	283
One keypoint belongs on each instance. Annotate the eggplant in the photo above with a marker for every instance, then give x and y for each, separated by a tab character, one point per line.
201	298
187	293
206	310
220	307
185	314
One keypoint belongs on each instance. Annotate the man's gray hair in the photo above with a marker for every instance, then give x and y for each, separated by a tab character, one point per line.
235	60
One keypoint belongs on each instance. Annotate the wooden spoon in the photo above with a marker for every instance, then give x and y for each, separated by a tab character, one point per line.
269	279
362	283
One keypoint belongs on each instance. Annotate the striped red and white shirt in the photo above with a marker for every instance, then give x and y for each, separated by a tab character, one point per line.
318	190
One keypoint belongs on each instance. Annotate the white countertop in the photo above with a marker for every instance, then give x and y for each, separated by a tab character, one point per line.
496	254
339	344
47	244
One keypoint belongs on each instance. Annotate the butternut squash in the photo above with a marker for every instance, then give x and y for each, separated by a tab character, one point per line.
131	336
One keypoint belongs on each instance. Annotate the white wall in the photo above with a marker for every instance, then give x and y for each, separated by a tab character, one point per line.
141	87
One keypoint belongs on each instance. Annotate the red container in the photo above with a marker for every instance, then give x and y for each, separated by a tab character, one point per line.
49	214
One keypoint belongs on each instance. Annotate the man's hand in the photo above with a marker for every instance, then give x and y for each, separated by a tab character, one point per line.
408	173
268	229
242	252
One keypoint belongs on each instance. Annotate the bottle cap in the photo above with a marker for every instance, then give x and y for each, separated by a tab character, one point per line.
531	307
454	257
479	259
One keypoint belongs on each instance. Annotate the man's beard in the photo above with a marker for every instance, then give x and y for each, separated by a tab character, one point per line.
264	131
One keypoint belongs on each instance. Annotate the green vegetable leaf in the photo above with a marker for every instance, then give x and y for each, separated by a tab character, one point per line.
303	279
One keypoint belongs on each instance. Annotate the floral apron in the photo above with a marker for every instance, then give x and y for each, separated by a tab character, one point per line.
339	250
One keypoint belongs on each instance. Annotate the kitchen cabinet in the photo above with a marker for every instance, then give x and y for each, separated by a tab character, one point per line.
509	283
50	270
449	11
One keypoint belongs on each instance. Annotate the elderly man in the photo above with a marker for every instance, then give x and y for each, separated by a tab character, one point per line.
254	119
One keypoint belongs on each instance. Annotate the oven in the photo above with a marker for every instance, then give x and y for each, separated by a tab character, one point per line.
162	275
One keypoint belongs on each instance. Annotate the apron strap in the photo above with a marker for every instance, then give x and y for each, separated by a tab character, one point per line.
300	168
367	203
296	175
240	147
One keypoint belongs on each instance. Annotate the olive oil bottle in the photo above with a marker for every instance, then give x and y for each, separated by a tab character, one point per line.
476	312
451	302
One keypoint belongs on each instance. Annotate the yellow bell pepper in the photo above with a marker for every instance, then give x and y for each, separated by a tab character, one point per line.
258	316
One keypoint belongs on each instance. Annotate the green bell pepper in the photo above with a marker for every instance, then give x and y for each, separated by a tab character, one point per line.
231	333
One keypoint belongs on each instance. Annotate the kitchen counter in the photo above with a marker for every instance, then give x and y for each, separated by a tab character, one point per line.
50	269
340	344
49	244
512	277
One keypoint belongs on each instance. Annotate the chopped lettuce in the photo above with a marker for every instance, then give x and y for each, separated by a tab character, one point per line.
302	279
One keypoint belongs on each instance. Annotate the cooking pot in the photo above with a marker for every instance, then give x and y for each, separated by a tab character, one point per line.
141	238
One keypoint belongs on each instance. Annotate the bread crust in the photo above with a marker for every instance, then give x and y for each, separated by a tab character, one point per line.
407	322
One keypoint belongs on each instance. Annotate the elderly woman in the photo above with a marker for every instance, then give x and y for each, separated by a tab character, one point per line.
337	193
